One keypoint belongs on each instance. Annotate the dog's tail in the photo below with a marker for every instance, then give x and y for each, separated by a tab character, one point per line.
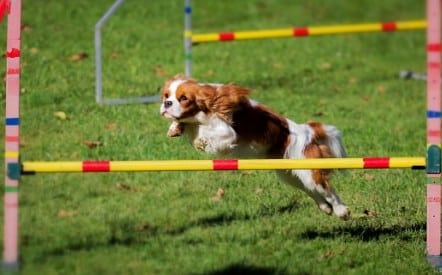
334	141
330	136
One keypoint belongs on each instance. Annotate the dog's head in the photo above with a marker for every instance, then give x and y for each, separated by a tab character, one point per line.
182	99
186	100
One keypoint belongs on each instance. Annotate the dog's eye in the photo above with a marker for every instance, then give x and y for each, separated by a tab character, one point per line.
166	95
182	98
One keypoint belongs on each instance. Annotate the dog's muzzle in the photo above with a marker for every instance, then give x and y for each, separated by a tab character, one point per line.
167	104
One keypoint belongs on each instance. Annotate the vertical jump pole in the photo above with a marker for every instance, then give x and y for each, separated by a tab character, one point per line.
188	37
99	97
10	252
433	133
98	54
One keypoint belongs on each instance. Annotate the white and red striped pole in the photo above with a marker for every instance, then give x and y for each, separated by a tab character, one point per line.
10	252
433	131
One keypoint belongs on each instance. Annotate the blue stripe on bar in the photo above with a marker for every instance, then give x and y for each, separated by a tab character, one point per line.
12	121
187	10
433	114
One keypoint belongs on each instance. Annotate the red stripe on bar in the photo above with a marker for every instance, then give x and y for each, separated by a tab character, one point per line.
227	164
13	53
300	32
389	26
226	36
11	205
13	71
12	138
433	133
433	47
376	162
435	65
96	166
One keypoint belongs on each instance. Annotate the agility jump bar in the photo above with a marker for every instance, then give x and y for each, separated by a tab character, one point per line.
218	165
310	31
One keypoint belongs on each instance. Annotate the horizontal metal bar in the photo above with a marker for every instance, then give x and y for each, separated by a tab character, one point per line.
309	31
216	165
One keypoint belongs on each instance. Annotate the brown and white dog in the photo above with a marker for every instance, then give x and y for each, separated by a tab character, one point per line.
222	119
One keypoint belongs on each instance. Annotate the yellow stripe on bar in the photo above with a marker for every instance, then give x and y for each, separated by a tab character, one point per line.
52	167
161	165
201	38
263	34
341	29
411	25
10	154
273	164
407	162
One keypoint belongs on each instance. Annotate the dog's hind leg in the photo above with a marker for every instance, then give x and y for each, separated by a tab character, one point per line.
320	191
332	199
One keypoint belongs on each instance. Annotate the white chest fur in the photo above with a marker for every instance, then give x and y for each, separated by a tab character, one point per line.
212	135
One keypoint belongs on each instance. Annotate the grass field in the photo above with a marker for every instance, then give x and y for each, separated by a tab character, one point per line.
173	223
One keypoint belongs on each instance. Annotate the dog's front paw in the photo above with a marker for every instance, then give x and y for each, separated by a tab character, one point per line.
200	144
175	130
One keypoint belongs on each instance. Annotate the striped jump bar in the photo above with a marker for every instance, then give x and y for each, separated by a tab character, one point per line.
307	31
223	165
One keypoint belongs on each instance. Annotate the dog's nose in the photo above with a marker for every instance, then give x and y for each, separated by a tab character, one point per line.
167	104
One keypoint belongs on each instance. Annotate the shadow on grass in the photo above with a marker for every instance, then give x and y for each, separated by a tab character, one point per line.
228	218
245	270
126	232
366	232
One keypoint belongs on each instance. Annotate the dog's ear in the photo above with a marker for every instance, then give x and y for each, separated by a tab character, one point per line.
205	96
231	95
222	101
229	98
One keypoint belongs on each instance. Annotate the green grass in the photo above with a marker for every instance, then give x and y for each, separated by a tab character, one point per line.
166	223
